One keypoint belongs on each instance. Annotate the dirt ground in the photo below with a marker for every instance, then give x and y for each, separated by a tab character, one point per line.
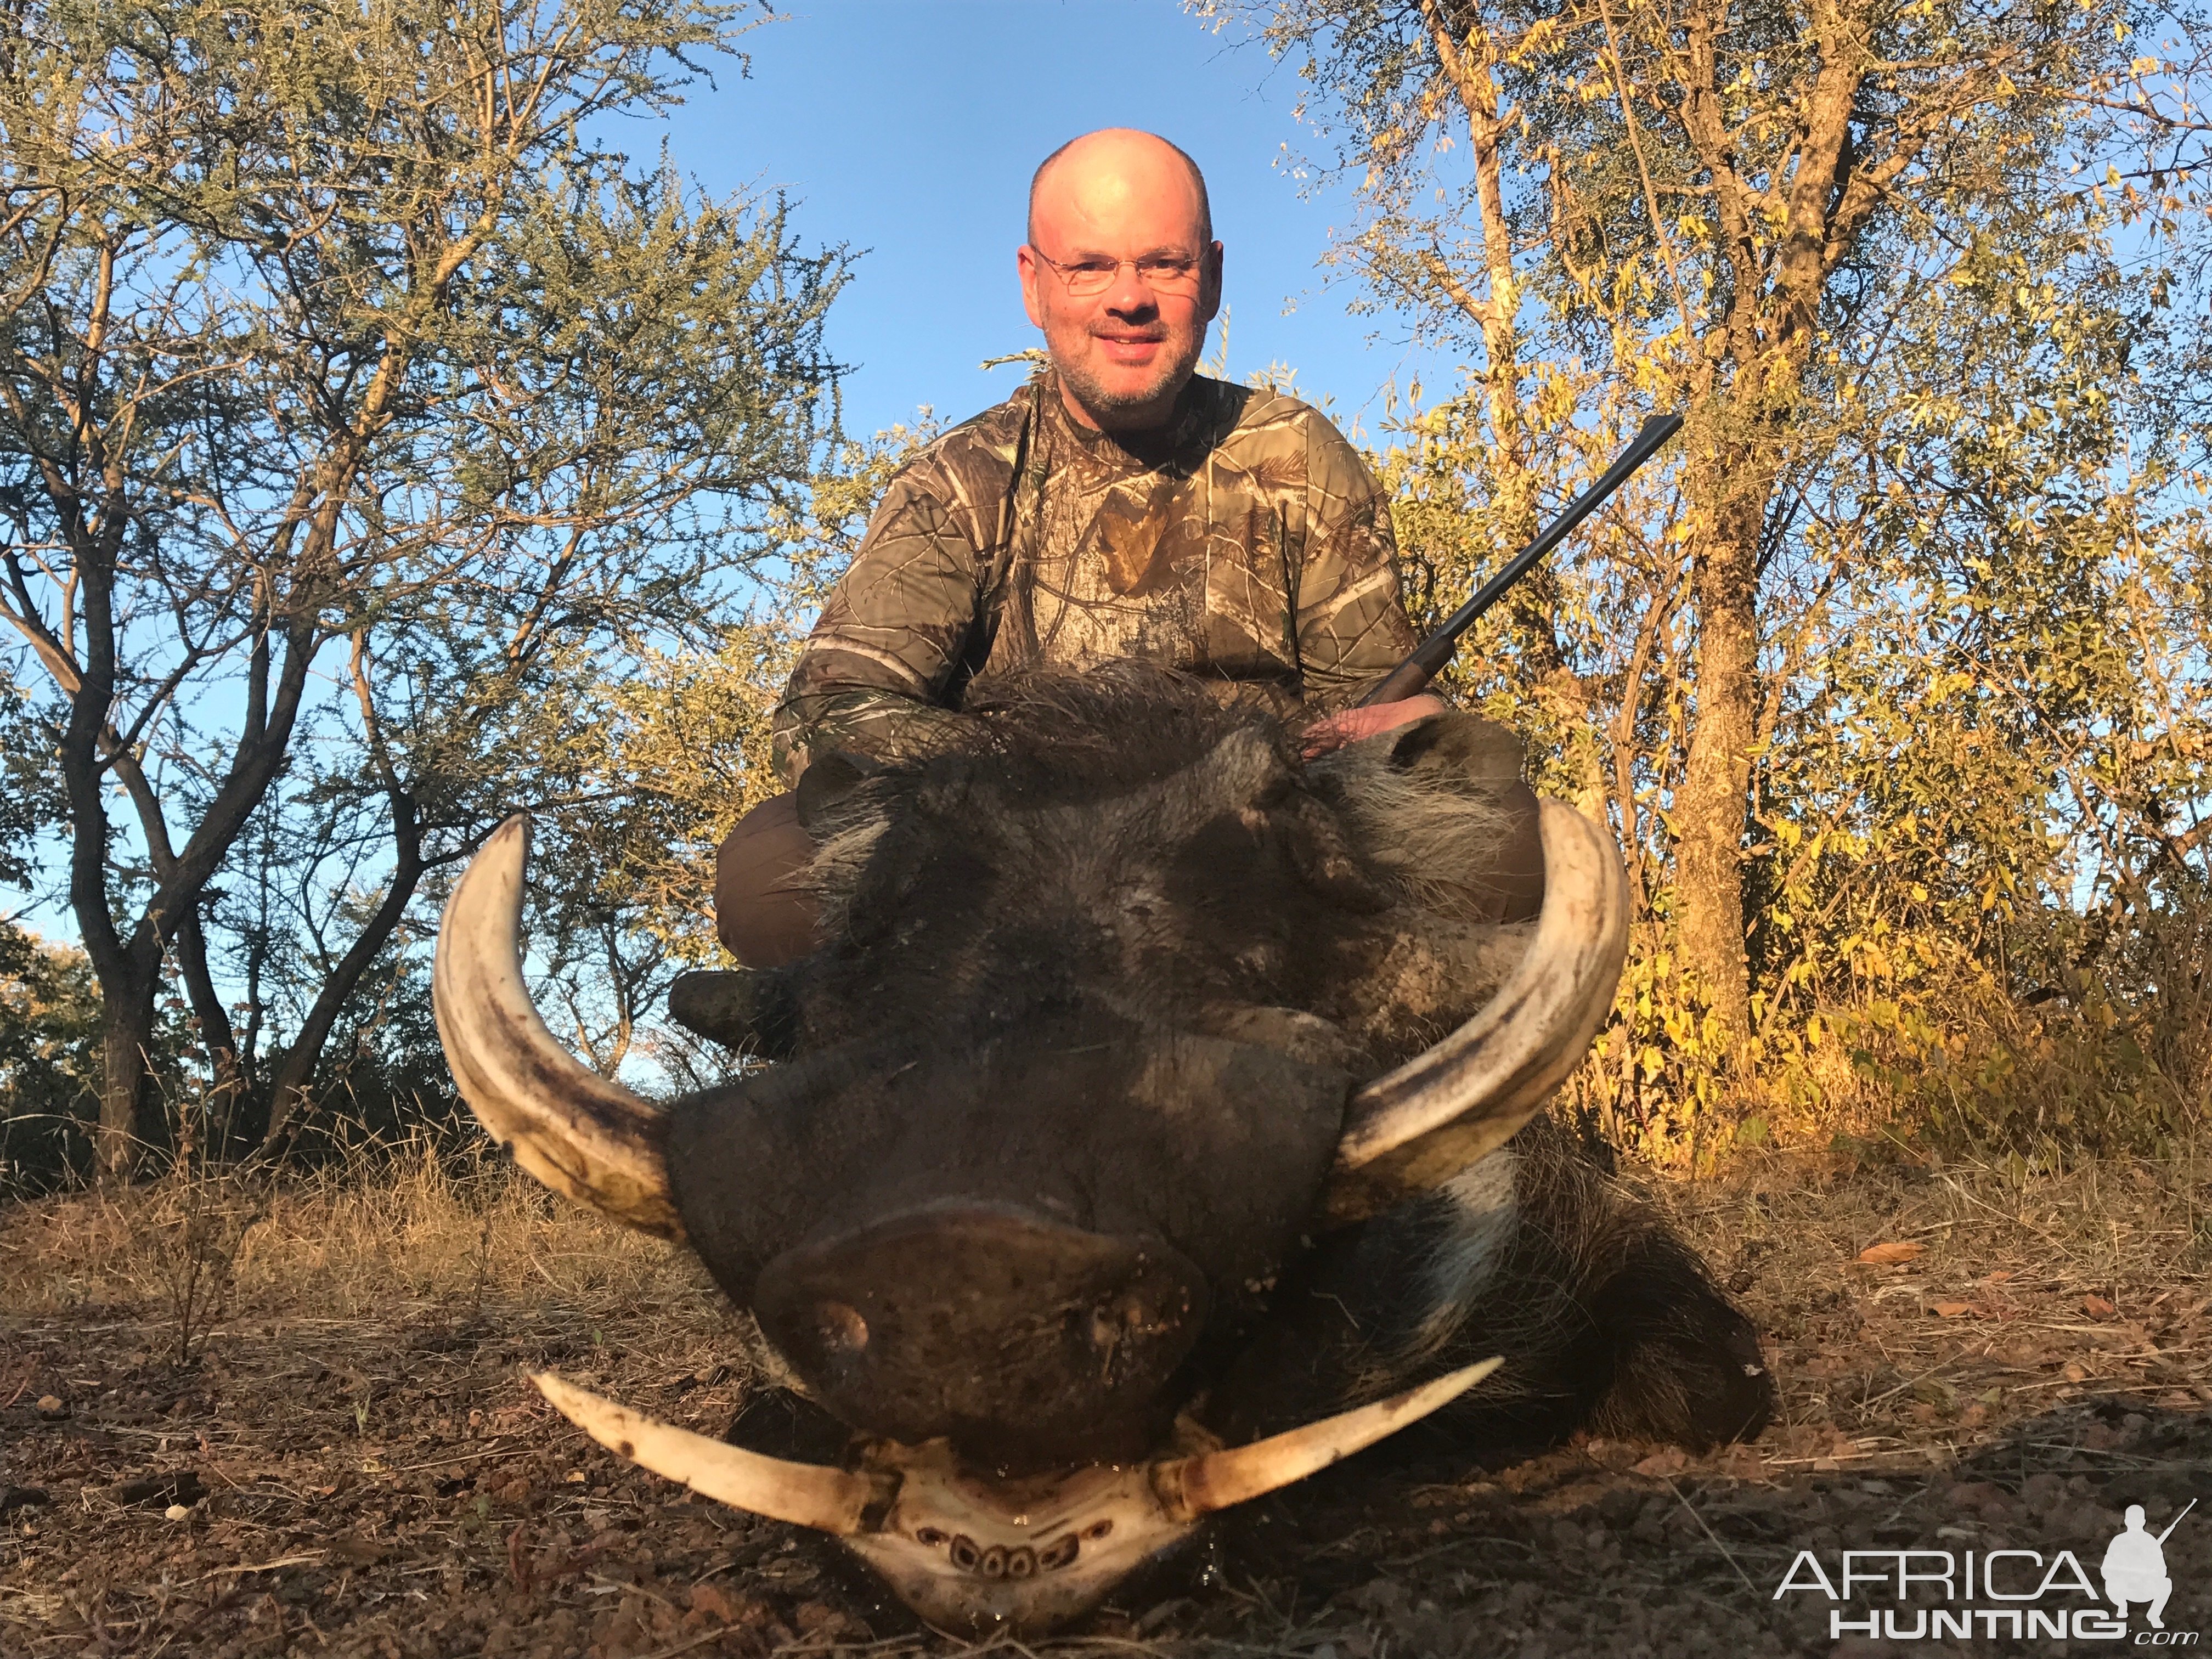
355	1465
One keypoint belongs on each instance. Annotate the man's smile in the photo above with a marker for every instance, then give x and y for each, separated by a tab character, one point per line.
1129	348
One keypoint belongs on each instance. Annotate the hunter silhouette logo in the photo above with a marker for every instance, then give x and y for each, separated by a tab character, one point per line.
2134	1565
1913	1594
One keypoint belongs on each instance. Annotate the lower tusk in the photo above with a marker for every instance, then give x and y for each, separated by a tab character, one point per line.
1210	1481
804	1494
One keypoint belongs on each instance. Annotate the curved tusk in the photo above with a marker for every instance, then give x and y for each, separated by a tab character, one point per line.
577	1131
1414	1128
805	1494
1210	1481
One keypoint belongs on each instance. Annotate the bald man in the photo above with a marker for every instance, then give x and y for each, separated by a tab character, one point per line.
1119	506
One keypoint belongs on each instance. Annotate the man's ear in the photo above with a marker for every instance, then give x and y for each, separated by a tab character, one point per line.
1030	267
1209	284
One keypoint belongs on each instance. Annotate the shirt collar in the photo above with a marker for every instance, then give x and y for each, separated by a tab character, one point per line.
1189	428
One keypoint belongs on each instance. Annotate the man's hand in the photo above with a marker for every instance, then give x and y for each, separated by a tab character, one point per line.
1354	724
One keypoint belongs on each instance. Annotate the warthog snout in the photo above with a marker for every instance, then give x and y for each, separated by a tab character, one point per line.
970	1321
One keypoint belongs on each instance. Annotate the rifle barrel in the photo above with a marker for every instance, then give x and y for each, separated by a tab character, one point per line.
1430	656
2176	1522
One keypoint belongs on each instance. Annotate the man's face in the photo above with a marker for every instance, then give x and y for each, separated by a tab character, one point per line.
1123	354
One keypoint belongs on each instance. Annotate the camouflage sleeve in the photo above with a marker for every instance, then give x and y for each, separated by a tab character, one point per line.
887	642
1352	627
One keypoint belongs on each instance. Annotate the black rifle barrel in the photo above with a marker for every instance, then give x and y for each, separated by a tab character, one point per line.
1429	657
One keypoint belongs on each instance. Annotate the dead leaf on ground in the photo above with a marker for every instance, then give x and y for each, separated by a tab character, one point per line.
708	1600
1887	1255
1950	1309
2097	1308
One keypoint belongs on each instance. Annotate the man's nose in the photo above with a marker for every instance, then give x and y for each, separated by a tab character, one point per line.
1131	297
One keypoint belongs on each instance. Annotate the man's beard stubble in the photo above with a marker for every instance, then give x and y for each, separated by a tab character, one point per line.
1101	400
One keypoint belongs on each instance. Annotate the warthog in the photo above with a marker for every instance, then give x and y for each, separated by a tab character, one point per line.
1145	1133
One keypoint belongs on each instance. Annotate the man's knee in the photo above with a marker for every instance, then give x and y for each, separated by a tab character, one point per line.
763	915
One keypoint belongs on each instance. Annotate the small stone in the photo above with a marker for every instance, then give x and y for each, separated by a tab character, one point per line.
180	1486
177	1512
50	1407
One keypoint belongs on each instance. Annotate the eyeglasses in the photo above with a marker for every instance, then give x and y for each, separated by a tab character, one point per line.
1163	273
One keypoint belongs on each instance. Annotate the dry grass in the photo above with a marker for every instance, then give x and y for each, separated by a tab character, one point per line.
2031	1283
382	1480
385	1230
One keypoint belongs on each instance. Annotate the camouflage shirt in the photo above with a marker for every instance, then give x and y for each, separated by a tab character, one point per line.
1245	543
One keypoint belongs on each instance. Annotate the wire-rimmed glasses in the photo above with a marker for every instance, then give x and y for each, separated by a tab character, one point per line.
1163	273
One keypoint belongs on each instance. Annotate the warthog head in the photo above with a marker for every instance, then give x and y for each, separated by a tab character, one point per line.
1122	1011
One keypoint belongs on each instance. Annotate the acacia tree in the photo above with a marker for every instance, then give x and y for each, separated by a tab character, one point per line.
660	761
1720	206
324	336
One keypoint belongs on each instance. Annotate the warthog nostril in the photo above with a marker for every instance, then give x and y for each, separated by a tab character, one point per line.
1113	1323
1059	1553
928	1536
887	1322
842	1329
1098	1529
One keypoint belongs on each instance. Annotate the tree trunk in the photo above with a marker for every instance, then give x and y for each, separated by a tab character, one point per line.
128	1120
229	1086
295	1072
1712	804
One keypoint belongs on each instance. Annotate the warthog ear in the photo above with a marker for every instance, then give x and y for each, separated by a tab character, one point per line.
1459	750
1442	814
751	1010
1413	1128
826	782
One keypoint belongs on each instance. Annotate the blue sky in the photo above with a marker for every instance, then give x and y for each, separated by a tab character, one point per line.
909	128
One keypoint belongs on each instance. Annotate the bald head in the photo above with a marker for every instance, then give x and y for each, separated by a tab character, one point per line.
1118	162
1121	272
